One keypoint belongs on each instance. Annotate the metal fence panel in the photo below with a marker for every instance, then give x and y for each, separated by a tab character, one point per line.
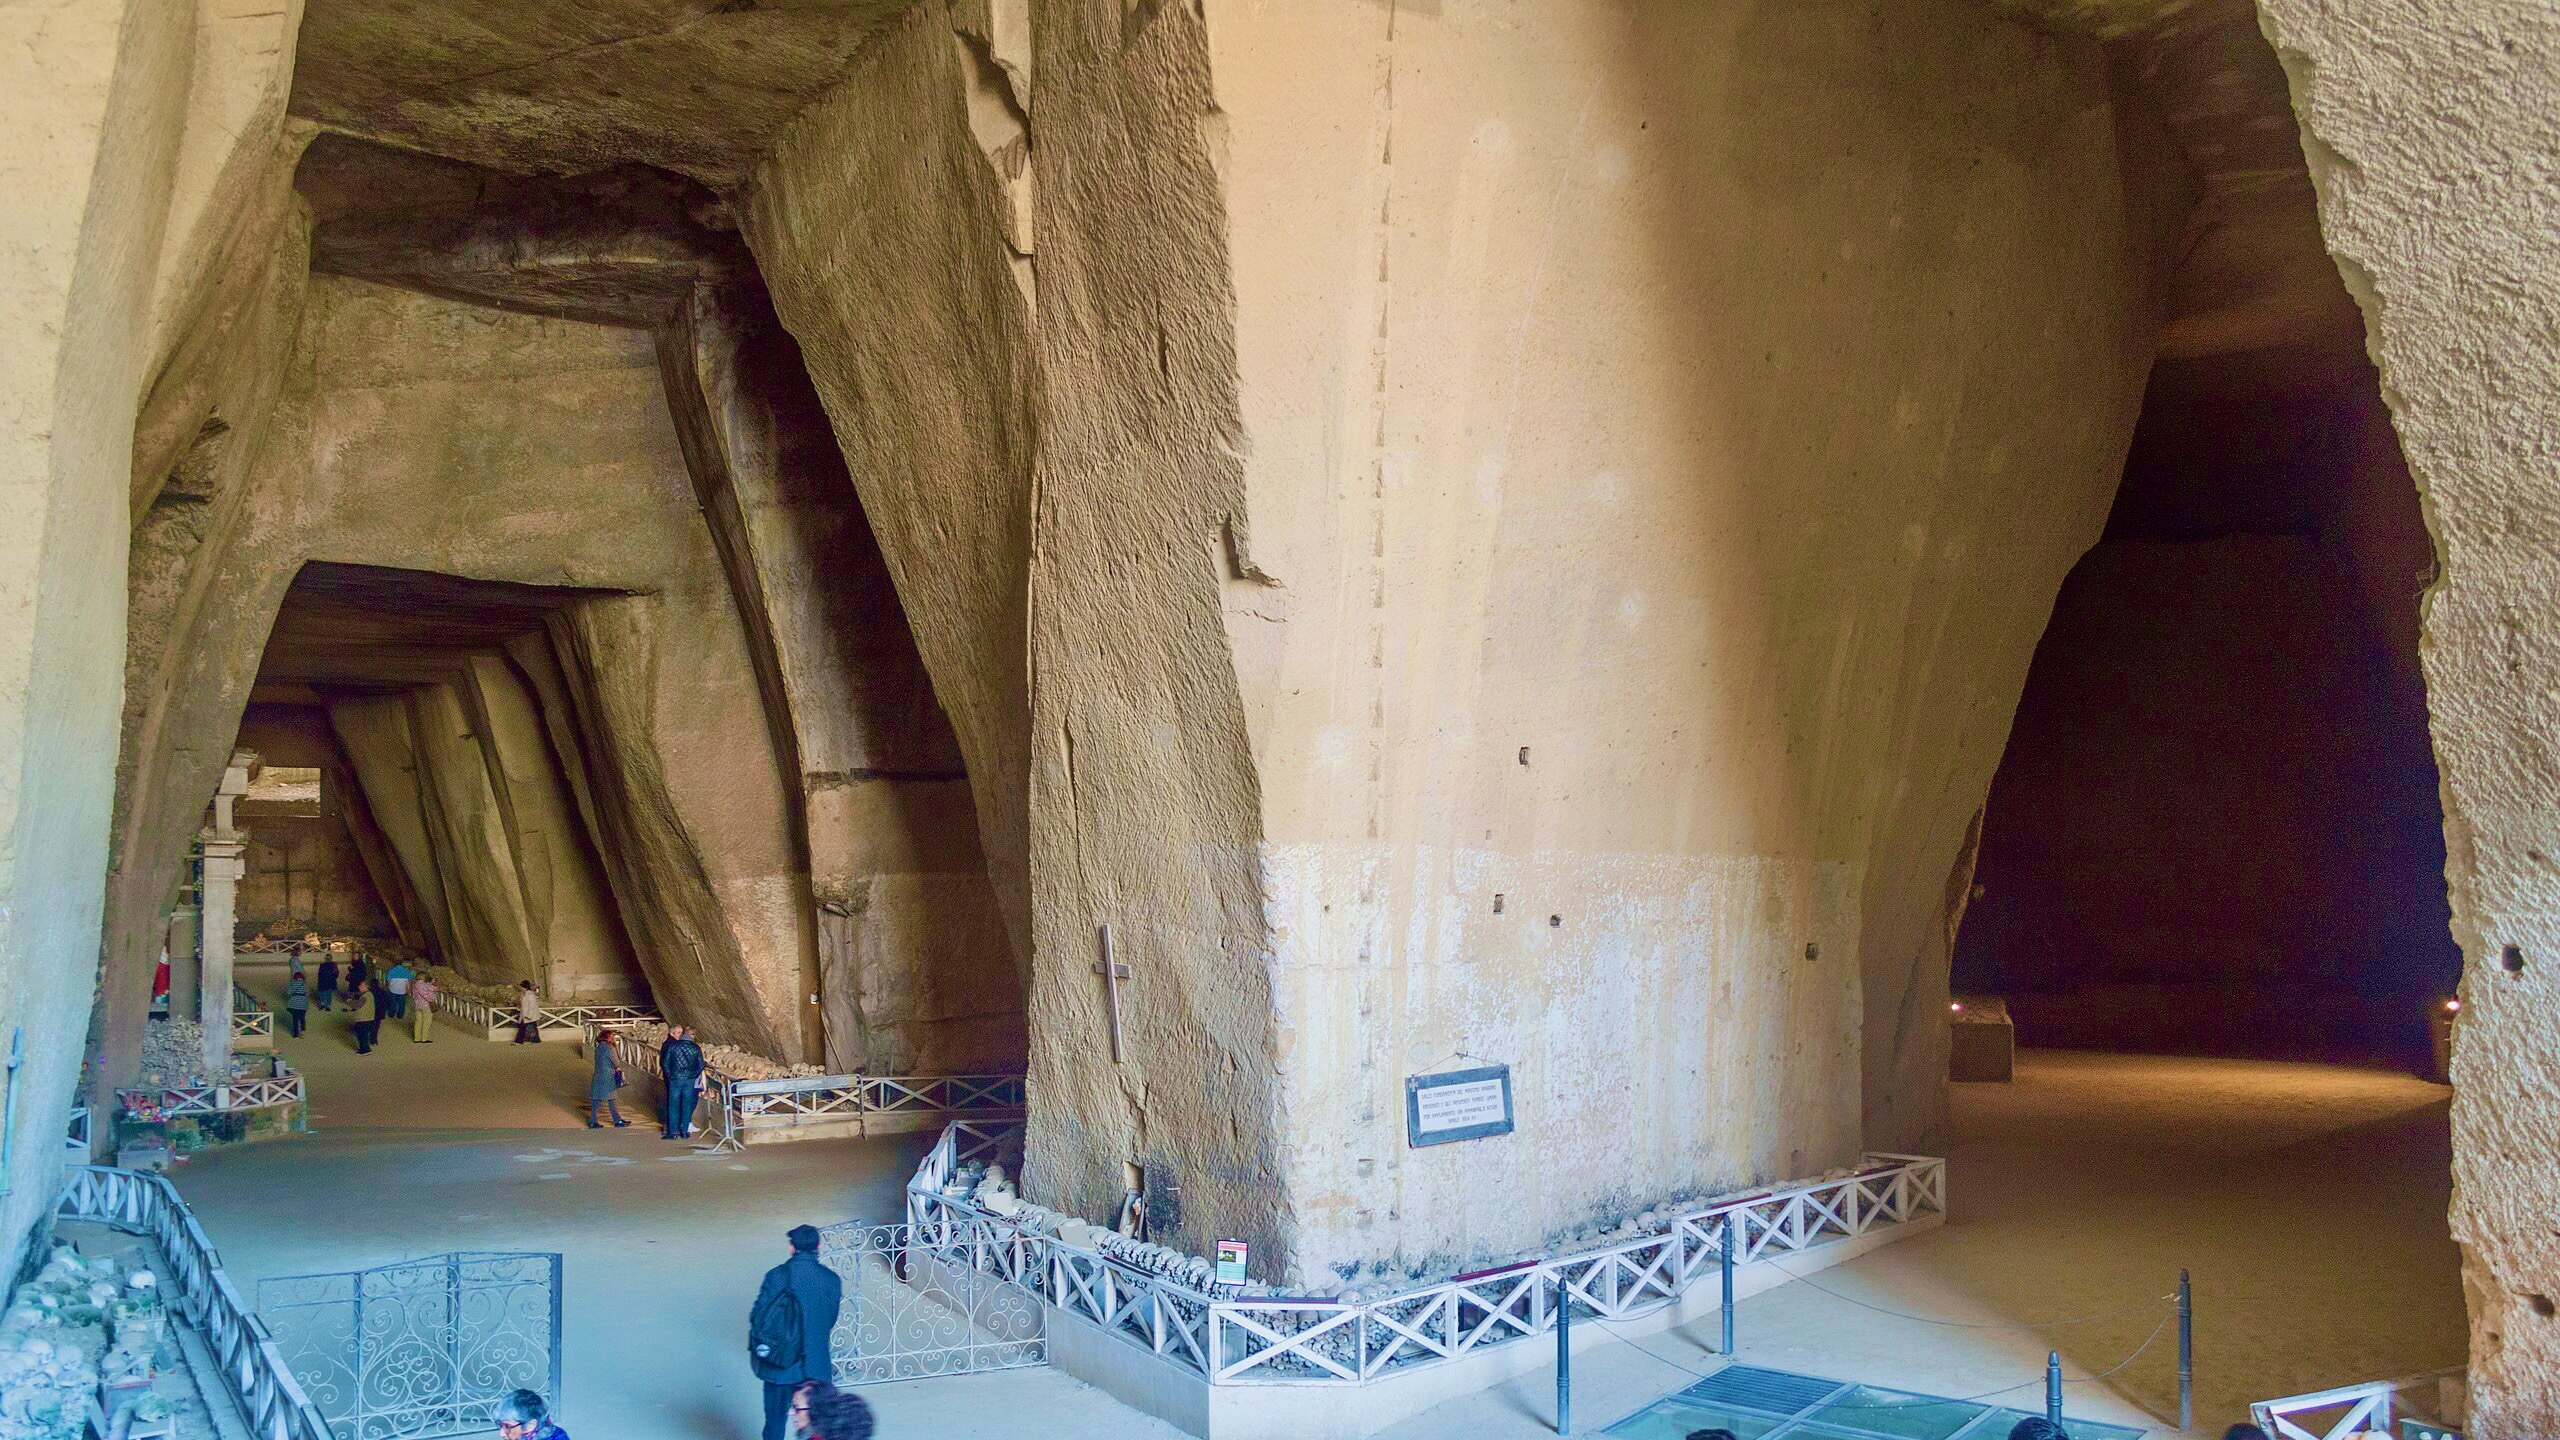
422	1348
912	1310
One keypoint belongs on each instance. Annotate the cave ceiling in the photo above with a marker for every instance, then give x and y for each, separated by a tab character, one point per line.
564	87
597	89
2254	290
367	629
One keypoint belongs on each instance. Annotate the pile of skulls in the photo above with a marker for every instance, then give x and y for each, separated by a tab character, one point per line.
76	1323
989	1188
453	982
727	1061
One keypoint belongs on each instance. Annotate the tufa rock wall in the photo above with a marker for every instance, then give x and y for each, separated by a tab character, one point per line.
2430	128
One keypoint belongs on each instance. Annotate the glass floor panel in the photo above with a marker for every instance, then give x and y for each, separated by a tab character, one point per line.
1675	1419
1759	1404
1905	1417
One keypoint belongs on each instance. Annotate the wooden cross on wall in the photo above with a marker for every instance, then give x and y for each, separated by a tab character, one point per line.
1112	973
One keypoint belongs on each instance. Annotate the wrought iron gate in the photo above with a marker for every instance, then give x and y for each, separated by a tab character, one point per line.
425	1347
920	1303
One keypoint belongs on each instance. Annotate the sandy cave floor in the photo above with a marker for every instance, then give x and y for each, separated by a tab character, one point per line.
2308	1200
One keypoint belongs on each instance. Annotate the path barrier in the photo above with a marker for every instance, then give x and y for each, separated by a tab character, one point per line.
2402	1406
1225	1338
498	1022
284	1087
253	1025
737	1112
148	1205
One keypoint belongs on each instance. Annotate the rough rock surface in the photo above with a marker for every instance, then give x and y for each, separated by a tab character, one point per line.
692	85
2431	128
880	224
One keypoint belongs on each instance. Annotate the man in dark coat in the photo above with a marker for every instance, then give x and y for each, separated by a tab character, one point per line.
680	1061
799	1298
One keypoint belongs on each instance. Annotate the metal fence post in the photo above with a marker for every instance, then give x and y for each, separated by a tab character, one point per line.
2053	1386
1732	1232
453	1326
559	1382
1564	1355
2186	1352
355	1342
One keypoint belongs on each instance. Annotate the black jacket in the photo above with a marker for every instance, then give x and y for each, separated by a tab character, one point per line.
328	974
680	1061
820	1293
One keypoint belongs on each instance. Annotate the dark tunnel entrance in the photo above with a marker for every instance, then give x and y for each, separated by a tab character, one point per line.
2215	829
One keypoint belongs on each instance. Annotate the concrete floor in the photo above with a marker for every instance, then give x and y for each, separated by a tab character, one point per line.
2308	1201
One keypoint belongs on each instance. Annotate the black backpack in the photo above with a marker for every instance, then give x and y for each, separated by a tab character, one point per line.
773	1332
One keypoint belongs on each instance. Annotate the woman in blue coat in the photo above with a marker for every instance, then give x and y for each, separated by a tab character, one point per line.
606	1080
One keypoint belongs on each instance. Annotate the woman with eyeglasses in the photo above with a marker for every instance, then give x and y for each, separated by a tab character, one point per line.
822	1412
523	1416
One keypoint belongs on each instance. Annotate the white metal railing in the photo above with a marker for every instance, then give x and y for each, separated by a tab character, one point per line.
285	1087
76	1137
475	1011
2346	1411
249	1017
1241	1340
732	1107
270	1398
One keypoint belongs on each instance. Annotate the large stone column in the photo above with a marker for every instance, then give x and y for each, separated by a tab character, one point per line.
224	844
222	871
1540	528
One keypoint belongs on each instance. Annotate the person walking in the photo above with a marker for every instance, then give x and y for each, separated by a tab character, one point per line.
364	1013
395	989
606	1080
421	1006
297	1002
827	1413
528	1014
791	1327
328	982
523	1416
680	1061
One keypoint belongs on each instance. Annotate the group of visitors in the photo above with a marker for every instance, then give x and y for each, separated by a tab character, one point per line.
790	1346
680	1064
403	992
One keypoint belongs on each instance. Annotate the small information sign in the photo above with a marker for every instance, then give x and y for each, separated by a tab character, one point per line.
1231	1255
1457	1105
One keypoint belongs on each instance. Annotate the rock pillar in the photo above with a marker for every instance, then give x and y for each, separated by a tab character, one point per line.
1533	546
2430	127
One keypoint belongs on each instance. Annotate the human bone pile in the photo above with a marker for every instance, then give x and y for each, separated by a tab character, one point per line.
988	1187
454	982
77	1323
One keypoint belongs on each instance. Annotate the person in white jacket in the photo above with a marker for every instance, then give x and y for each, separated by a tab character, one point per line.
528	1014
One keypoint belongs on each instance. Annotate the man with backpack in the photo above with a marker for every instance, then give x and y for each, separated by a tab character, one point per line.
789	1330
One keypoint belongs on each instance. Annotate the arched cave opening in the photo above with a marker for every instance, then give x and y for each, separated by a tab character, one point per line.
453	781
2215	829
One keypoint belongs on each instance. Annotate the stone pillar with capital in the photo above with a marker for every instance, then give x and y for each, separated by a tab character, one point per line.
223	845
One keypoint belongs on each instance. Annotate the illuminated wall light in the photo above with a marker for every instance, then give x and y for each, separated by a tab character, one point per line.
1955	1005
